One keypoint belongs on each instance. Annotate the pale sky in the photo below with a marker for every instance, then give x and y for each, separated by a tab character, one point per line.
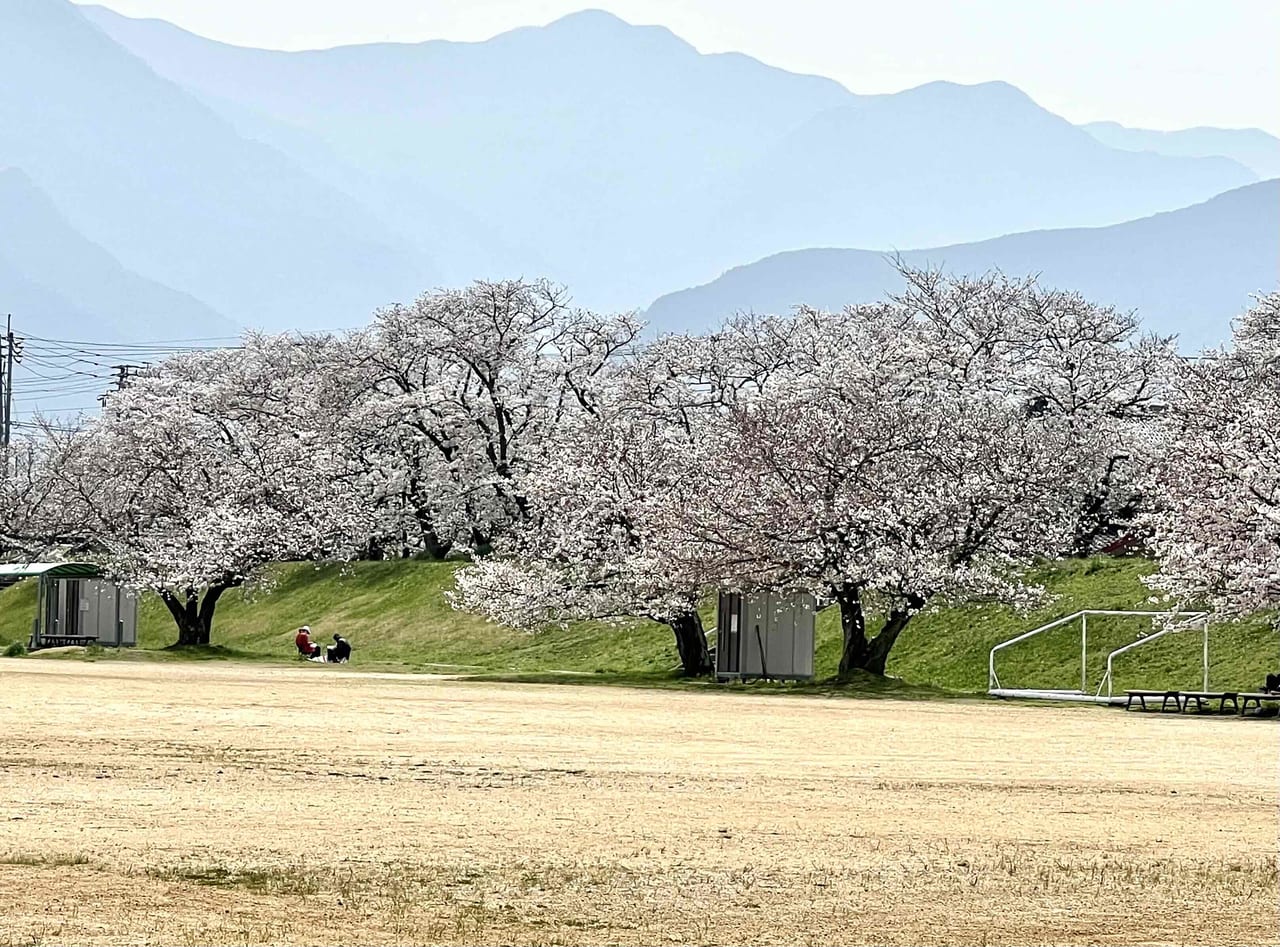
1148	63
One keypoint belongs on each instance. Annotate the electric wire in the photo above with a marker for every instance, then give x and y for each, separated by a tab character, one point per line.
53	377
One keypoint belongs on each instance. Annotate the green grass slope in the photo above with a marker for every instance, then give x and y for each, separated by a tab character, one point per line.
17	612
948	647
397	616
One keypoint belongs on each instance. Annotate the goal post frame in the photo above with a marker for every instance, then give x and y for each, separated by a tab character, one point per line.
1176	621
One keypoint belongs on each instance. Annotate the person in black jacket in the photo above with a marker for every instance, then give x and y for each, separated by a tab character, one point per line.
339	652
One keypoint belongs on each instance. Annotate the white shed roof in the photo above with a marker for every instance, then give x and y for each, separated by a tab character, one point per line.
71	570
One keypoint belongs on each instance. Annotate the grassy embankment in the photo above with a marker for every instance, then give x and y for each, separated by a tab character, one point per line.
398	618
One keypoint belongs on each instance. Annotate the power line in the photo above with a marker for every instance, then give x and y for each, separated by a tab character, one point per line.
51	372
205	342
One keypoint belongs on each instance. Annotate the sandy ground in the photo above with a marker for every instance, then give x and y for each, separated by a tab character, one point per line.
242	805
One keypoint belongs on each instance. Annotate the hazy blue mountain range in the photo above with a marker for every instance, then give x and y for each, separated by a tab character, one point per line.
946	163
169	188
621	161
77	289
187	183
585	145
1187	272
1251	147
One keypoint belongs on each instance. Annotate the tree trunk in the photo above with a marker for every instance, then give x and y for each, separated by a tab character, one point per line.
859	653
481	543
192	614
435	547
880	646
432	544
1093	526
691	643
853	627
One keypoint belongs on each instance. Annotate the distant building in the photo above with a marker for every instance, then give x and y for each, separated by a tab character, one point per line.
76	605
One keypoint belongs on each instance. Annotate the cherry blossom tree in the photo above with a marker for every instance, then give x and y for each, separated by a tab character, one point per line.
893	456
885	458
1216	530
1066	356
212	465
598	542
588	549
868	479
31	526
466	385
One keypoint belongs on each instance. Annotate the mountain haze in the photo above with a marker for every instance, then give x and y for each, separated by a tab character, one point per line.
57	284
589	140
140	167
620	160
1251	147
1186	272
947	163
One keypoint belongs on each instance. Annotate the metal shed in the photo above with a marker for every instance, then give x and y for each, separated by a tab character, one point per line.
76	605
765	634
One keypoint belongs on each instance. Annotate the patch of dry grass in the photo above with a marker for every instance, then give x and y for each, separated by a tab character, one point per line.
249	805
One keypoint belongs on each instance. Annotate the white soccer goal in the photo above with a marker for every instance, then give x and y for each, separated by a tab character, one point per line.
1172	622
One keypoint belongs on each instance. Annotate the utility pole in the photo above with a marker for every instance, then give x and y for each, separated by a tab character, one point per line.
124	376
12	352
5	375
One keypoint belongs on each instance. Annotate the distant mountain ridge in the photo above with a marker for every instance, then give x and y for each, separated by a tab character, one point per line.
1186	272
143	169
580	144
621	161
60	285
175	186
1251	147
943	155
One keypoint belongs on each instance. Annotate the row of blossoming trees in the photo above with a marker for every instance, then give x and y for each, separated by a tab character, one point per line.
888	457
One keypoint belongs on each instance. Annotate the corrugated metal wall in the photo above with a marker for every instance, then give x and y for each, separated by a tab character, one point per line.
91	607
765	634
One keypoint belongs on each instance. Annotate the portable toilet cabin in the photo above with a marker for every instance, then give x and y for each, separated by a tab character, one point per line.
76	605
764	634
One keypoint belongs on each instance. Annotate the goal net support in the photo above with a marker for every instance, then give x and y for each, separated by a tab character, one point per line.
1170	622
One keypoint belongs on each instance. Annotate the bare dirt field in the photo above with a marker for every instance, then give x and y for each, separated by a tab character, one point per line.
241	805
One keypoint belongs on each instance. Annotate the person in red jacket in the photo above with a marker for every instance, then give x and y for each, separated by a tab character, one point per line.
306	647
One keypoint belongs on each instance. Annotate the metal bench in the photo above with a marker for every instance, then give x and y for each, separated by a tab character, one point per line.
1206	698
1142	696
63	641
1258	698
